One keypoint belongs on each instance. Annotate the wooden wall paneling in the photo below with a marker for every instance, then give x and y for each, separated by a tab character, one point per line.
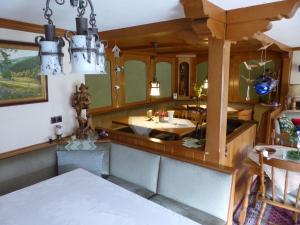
234	79
146	60
238	147
176	77
172	61
113	64
217	99
236	59
287	60
192	77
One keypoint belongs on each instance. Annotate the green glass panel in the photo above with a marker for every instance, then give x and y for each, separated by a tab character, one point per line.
201	72
164	76
135	81
256	72
100	88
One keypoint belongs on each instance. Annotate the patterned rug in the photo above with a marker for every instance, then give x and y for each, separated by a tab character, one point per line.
272	216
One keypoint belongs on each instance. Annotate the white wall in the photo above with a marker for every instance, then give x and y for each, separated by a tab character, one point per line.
29	124
295	74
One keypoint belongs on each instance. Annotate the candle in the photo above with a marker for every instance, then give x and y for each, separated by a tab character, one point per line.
58	130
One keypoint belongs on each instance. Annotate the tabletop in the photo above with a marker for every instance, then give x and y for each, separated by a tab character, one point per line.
79	197
142	126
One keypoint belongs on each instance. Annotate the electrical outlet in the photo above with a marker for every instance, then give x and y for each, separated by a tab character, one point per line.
59	119
53	120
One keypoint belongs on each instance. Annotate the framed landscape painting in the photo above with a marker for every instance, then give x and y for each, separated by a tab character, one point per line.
20	80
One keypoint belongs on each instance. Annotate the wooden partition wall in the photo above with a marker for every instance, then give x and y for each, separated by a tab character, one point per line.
134	82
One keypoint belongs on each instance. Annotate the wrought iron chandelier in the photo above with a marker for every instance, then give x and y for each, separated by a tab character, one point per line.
154	85
87	51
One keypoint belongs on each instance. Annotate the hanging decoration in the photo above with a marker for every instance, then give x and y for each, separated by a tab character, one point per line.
118	69
154	85
87	51
266	82
248	79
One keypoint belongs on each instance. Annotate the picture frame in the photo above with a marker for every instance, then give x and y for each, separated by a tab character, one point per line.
20	79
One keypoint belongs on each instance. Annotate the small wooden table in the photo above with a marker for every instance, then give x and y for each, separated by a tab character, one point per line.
177	131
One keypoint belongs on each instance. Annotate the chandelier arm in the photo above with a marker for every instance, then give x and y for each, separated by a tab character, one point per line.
92	15
48	11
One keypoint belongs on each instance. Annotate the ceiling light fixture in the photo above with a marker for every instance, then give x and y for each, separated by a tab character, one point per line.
87	51
154	88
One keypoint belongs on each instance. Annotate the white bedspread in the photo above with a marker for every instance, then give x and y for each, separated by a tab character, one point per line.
81	198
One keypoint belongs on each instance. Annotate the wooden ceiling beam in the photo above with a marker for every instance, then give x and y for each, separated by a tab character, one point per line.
238	24
249	22
270	11
164	46
265	39
209	20
28	27
162	28
240	31
196	9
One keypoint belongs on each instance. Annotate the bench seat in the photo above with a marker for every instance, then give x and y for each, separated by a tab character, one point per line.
143	192
187	211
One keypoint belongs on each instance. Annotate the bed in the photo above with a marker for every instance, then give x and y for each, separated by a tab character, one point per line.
82	198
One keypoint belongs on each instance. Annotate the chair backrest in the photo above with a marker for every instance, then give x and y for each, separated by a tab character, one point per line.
196	116
180	114
287	166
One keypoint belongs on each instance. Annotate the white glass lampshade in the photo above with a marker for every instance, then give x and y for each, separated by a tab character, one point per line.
82	60
50	58
100	64
294	90
154	91
205	84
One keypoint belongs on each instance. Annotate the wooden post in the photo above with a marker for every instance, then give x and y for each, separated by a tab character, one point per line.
217	98
285	78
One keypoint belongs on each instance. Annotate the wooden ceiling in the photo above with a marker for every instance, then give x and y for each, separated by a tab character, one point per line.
190	35
176	37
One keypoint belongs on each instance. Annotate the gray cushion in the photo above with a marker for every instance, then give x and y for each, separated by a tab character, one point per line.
131	187
26	169
204	189
105	147
135	166
88	160
187	211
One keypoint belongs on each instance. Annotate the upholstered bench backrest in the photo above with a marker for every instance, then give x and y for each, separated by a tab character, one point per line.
205	189
27	169
135	166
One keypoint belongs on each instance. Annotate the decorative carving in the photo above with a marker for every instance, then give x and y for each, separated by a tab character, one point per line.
237	24
80	101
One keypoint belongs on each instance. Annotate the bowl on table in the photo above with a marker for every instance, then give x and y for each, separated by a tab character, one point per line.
260	149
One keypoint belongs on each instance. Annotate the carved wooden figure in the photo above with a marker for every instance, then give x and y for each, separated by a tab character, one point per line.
80	101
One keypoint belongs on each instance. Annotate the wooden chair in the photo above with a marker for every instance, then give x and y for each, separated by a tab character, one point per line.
196	116
180	114
273	197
